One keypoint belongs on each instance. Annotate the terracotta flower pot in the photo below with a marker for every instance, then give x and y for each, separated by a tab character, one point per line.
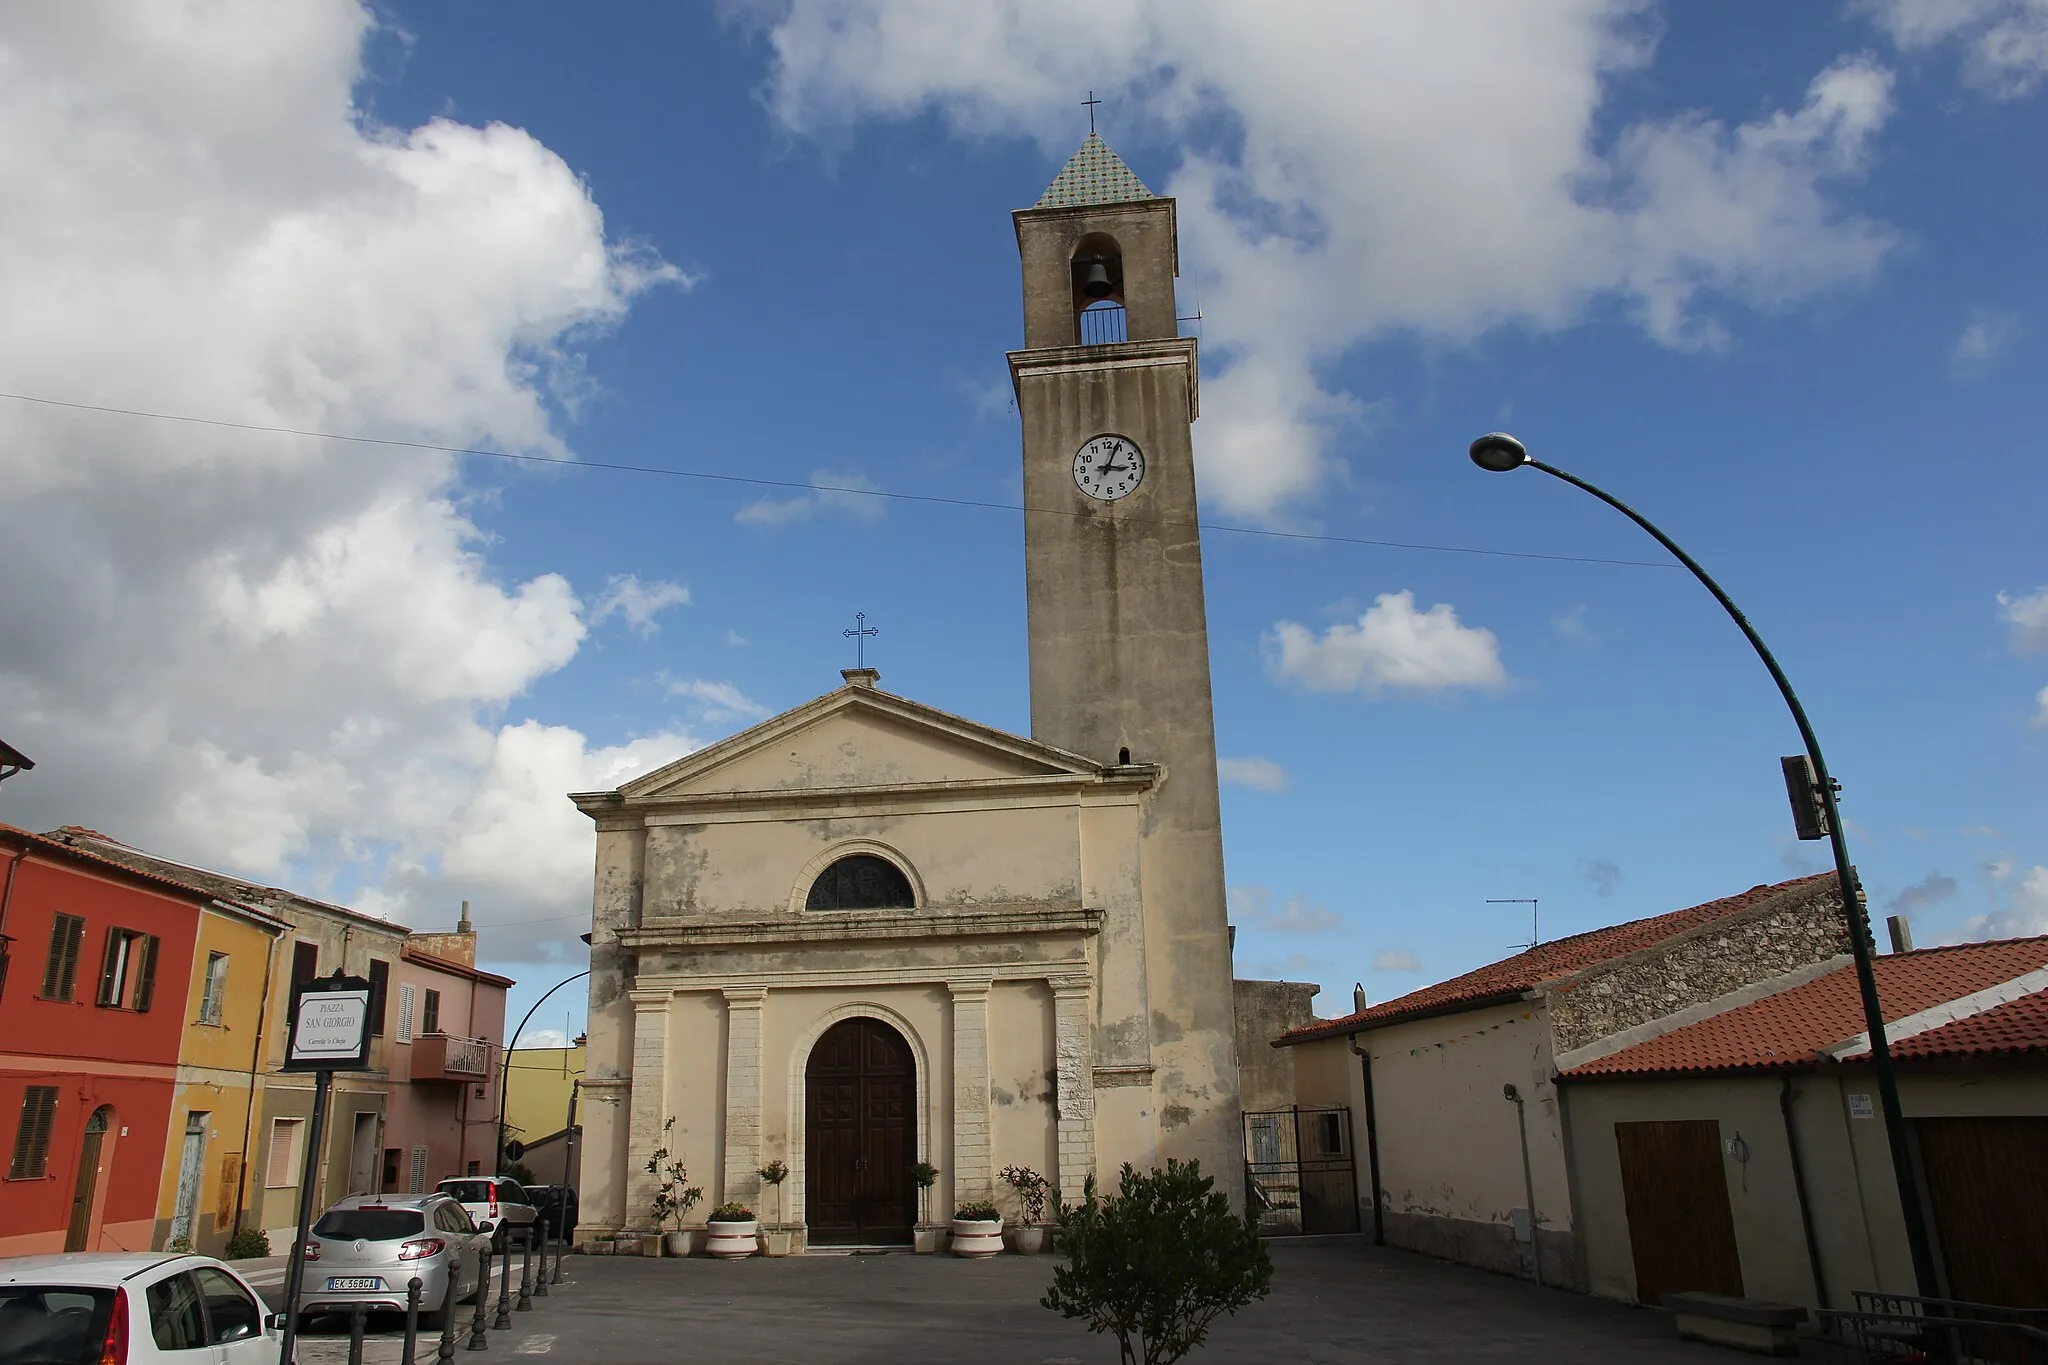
732	1241
976	1240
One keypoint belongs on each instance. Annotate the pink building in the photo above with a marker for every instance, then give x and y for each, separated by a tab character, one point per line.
448	1020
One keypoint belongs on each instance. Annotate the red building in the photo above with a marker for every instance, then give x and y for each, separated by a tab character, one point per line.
94	964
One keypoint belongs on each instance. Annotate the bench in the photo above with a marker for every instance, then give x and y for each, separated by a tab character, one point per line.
1746	1324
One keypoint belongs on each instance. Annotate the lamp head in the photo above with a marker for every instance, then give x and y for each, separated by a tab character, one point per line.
1499	452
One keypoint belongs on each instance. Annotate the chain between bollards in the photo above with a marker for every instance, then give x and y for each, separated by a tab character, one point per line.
477	1340
358	1318
503	1322
525	1303
412	1320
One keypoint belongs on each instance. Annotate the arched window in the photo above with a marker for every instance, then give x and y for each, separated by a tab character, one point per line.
861	881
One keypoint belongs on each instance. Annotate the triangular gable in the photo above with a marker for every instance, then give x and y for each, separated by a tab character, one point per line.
856	737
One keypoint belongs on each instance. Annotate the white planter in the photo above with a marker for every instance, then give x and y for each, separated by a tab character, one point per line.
976	1240
777	1240
928	1238
732	1241
682	1243
651	1246
1027	1240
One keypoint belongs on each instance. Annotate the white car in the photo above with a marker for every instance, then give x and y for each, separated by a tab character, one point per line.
130	1308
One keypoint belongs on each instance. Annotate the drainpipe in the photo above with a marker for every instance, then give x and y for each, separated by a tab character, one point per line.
1820	1279
6	896
1528	1178
1372	1142
255	1065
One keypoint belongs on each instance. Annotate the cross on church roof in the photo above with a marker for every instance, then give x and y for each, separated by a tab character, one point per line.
859	635
1091	102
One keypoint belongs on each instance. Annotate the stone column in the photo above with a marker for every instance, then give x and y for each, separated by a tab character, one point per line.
649	1103
1075	1071
742	1180
972	1176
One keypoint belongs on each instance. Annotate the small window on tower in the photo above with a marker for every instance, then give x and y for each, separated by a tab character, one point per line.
861	881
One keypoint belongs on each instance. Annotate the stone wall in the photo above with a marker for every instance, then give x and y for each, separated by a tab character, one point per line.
1781	935
1265	1010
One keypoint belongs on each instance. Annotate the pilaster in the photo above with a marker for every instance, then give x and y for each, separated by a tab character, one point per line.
649	1103
973	1178
1075	1075
742	1177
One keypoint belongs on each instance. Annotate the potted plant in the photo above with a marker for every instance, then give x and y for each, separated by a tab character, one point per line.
777	1237
1028	1236
673	1196
925	1238
732	1232
978	1230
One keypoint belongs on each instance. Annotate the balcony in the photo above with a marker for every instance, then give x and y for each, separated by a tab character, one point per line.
441	1057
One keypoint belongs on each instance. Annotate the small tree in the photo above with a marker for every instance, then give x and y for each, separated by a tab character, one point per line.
1032	1189
673	1195
924	1175
1157	1263
775	1173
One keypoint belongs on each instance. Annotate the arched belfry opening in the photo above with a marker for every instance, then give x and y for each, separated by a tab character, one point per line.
1096	269
860	1136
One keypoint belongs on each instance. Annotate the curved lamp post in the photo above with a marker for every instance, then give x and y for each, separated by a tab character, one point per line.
505	1069
1499	453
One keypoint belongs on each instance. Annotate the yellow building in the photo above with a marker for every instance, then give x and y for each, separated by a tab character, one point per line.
537	1108
231	1010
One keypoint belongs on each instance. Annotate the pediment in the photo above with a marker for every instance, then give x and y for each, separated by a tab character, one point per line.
857	737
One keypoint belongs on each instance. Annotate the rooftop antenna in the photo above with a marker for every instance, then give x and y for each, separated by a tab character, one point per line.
1535	937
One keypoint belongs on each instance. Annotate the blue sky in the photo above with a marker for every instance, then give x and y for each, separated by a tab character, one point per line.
1771	273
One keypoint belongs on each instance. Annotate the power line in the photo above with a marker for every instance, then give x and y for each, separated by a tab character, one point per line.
806	487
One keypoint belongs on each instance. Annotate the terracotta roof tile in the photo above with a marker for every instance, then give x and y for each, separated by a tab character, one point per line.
1549	961
1792	1027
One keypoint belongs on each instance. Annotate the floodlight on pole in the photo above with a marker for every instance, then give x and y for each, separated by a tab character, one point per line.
1497	452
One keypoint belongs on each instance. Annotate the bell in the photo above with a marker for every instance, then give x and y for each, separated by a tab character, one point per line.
1095	284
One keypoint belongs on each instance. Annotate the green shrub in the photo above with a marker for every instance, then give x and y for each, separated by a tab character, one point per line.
247	1245
1032	1189
1157	1263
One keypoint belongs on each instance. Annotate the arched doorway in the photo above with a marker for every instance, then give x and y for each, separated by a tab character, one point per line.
860	1136
88	1181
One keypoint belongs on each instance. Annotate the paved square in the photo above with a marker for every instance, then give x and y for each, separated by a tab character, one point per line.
1331	1304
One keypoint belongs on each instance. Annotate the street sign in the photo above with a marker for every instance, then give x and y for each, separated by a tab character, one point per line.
514	1150
330	1025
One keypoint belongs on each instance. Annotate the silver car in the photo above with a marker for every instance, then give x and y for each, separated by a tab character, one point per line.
367	1248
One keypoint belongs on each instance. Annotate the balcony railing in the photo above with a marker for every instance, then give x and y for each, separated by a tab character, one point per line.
1103	323
441	1057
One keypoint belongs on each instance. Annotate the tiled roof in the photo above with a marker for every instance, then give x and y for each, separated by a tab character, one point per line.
1549	961
63	849
1792	1027
1093	175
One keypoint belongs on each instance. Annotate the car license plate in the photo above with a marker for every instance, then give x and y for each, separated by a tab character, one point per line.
343	1283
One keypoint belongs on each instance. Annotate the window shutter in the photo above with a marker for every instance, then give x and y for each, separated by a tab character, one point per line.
418	1183
67	932
145	979
74	942
282	1168
111	963
405	999
430	1012
32	1135
380	986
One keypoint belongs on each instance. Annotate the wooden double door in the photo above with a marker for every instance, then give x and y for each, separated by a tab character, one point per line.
860	1136
1680	1226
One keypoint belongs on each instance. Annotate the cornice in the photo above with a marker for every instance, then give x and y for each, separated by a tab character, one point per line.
1118	355
865	926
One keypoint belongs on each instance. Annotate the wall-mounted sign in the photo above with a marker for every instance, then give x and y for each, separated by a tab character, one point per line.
1860	1106
330	1025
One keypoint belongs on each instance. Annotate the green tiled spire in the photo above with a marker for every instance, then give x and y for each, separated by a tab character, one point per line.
1093	175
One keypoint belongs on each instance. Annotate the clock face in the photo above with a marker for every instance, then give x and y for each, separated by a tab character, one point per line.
1109	467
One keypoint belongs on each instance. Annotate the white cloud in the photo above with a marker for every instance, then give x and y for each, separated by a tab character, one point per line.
2025	914
1352	171
1602	873
1251	907
1260	774
2028	617
1396	960
833	490
1293	967
718	703
1572	626
542	1038
1988	335
2005	42
638	602
1932	889
1390	646
281	656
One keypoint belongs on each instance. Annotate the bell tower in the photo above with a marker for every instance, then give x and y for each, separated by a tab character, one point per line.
1106	390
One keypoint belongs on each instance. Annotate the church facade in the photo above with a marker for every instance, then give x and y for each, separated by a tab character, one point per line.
867	933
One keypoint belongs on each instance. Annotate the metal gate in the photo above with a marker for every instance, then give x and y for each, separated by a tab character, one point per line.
1299	1173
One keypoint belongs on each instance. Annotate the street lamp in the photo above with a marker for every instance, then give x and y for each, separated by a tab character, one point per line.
505	1073
1498	452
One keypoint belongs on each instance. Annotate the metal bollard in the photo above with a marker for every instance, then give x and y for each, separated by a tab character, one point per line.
561	1248
445	1350
358	1318
525	1303
547	1237
503	1322
412	1320
477	1340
